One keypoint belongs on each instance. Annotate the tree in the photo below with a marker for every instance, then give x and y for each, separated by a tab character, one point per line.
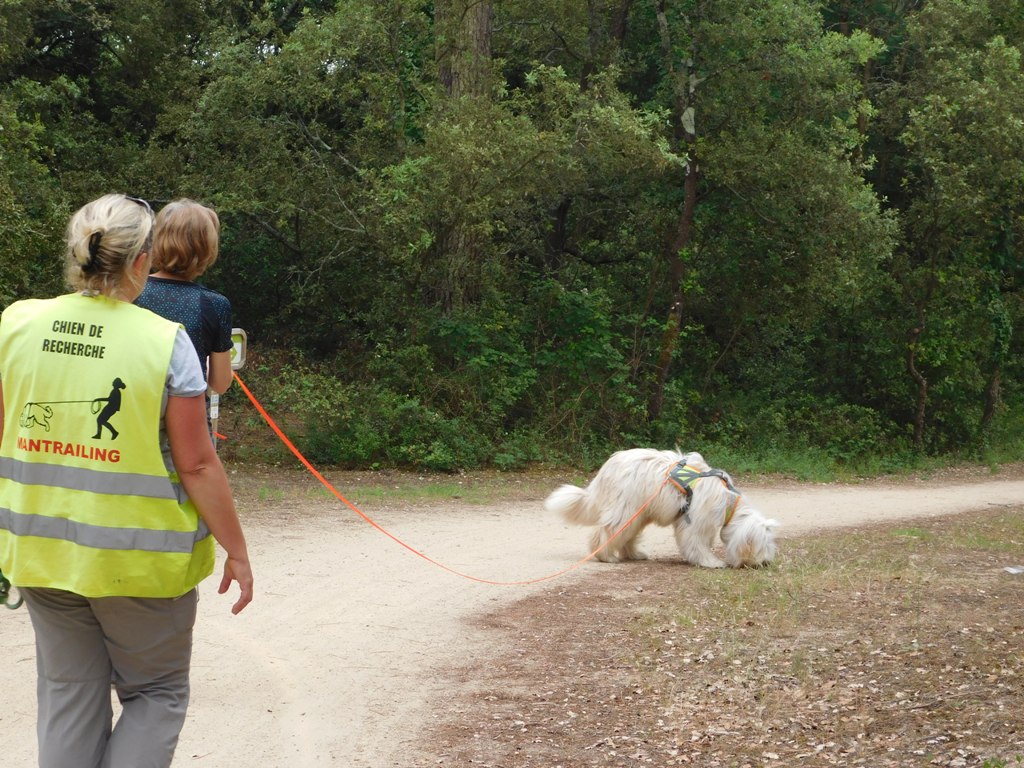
487	230
31	214
771	206
964	201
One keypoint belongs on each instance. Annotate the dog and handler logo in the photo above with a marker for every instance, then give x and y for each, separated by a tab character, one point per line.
45	416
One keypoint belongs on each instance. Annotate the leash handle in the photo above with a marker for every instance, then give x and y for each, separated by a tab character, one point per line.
5	593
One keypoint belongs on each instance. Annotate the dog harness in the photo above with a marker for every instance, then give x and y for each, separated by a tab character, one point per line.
684	477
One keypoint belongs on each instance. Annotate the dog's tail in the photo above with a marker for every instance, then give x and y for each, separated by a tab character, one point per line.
573	504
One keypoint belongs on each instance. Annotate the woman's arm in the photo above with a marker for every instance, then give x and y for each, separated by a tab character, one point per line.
218	375
206	483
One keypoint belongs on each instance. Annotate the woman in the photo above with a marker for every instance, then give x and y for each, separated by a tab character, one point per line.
107	539
185	245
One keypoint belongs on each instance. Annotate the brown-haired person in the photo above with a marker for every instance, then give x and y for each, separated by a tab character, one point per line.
185	244
107	539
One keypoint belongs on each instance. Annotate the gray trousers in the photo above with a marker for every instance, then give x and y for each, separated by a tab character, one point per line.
143	646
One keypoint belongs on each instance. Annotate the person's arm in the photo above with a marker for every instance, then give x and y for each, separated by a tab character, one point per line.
206	483
1	409
219	342
218	374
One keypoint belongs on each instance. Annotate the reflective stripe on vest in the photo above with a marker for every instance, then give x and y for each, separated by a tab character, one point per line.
101	537
79	479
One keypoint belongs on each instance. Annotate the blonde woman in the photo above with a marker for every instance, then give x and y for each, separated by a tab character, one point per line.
105	533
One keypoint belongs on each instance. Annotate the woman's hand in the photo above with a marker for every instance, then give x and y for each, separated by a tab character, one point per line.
237	570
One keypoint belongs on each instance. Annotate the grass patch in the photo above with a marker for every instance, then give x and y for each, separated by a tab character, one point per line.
267	493
881	647
884	647
912	533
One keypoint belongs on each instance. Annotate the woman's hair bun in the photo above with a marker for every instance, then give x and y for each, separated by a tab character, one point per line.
94	248
85	251
103	237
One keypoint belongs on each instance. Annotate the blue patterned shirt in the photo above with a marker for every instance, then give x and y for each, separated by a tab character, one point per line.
205	314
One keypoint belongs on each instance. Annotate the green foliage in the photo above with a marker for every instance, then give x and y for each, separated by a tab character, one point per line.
961	173
1005	443
827	439
31	214
485	275
365	425
997	762
586	397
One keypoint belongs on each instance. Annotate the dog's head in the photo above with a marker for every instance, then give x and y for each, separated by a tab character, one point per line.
749	539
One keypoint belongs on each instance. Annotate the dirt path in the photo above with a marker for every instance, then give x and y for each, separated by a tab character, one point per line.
342	657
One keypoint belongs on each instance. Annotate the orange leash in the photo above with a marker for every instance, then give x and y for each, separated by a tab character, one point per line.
305	462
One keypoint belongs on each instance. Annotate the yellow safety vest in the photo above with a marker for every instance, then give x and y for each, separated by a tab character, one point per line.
87	503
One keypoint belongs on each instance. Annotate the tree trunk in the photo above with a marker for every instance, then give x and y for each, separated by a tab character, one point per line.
919	379
620	19
603	46
992	398
463	34
685	83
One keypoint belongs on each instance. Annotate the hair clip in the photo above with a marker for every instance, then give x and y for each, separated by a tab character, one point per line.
94	245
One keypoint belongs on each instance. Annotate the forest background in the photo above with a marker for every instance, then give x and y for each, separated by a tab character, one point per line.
491	233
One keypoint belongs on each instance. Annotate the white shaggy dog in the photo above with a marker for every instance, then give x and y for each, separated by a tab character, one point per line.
640	486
